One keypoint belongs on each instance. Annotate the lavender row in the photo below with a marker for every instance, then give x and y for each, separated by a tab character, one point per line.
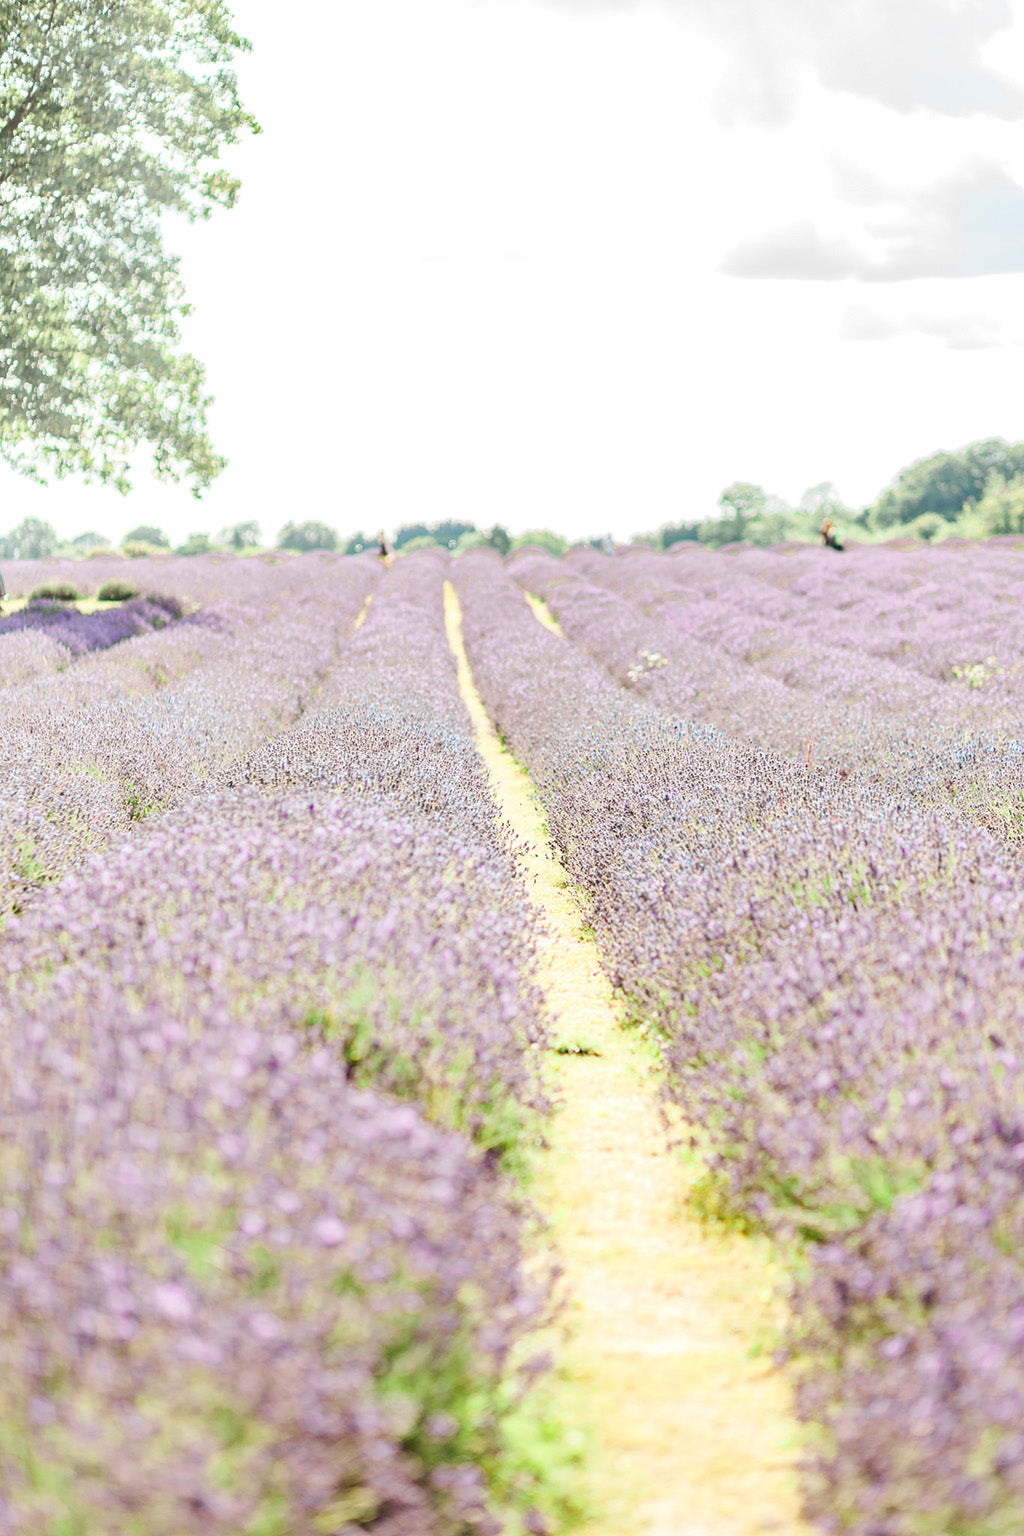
239	1291
90	751
390	721
945	746
838	981
390	730
295	1299
932	612
795	648
199	579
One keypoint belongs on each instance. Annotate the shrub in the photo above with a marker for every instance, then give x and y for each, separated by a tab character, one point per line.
57	592
928	526
135	549
117	591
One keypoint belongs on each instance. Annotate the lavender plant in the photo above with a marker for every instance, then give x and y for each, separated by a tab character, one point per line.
833	965
272	1062
148	722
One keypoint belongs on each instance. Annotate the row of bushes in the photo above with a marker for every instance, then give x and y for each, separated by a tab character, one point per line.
67	592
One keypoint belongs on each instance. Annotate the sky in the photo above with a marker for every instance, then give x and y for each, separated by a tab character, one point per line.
581	264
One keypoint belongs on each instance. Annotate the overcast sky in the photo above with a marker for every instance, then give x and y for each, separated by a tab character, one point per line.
581	263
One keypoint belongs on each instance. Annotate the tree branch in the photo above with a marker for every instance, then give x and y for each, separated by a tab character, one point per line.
37	90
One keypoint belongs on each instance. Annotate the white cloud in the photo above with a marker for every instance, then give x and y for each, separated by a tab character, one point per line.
905	54
970	224
961	333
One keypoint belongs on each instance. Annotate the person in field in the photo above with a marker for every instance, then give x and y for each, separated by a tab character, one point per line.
384	551
829	535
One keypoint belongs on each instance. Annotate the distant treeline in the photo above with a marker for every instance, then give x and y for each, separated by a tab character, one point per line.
34	539
976	492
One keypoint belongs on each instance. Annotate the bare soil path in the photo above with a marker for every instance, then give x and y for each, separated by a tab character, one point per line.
694	1431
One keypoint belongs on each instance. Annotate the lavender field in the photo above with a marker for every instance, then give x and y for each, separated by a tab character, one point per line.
272	1073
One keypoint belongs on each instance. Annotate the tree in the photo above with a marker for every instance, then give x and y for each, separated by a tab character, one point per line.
410	531
112	112
743	500
357	543
498	538
87	541
740	502
1001	509
31	540
306	536
145	533
946	483
195	544
240	536
447	534
821	501
677	533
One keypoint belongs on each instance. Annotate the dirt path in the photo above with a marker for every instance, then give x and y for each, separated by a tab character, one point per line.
694	1435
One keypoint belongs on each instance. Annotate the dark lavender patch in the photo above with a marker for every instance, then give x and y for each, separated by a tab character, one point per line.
80	633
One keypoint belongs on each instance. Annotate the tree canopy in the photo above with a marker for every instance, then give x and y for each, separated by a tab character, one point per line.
112	113
946	483
306	536
146	533
446	534
31	540
240	535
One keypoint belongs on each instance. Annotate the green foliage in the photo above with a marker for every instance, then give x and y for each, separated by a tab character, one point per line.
28	865
240	536
57	592
677	533
146	534
85	543
307	536
357	543
543	538
32	539
928	526
742	500
136	804
1001	509
195	544
946	483
112	112
136	551
446	534
117	592
722	530
499	538
711	1200
410	531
